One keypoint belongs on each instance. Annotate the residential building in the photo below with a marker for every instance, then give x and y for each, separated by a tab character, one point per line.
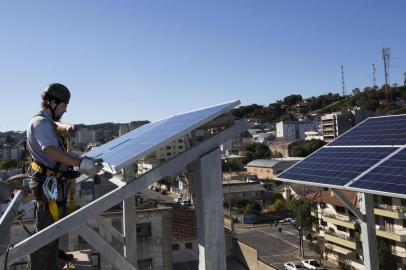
313	135
339	228
335	124
269	168
294	191
283	147
234	189
85	136
235	145
288	130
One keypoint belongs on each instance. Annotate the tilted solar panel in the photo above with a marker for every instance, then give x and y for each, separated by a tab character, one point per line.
126	149
335	166
390	176
386	130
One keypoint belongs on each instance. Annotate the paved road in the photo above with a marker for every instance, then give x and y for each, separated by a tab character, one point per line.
274	247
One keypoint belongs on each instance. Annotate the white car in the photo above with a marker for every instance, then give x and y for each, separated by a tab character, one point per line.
312	264
293	266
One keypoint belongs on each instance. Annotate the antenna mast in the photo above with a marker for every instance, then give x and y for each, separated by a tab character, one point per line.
385	57
373	76
342	79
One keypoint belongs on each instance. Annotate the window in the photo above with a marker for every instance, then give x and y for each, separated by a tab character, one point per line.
180	147
341	228
145	264
168	153
188	246
386	200
180	141
175	247
168	147
340	209
144	230
323	223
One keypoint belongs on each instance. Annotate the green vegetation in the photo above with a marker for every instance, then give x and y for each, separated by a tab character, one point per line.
256	151
308	147
302	213
8	164
293	106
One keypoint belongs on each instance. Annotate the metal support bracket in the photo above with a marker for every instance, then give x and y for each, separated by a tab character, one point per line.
348	204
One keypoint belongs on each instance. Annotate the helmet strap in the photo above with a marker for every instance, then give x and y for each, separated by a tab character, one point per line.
53	110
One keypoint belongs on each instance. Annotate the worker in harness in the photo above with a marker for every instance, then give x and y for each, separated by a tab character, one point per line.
52	169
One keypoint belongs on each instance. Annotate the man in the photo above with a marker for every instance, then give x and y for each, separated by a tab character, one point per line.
52	164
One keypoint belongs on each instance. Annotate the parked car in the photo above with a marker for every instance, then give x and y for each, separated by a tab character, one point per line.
293	266
312	264
286	221
186	203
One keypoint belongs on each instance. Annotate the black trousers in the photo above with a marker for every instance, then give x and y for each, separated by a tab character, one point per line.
47	257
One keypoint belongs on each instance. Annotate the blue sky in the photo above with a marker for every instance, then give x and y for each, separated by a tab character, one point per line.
136	60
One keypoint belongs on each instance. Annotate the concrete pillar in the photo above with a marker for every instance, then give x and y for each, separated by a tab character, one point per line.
368	233
208	200
130	222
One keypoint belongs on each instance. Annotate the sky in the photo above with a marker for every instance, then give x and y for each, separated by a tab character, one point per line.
132	60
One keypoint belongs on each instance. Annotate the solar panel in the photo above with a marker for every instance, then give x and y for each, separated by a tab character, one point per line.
390	176
335	166
387	130
126	149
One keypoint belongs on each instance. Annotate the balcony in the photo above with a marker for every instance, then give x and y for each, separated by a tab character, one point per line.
399	252
340	219
398	235
341	239
390	211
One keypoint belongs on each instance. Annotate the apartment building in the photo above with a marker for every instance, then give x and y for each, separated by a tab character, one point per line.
335	124
85	136
295	130
339	229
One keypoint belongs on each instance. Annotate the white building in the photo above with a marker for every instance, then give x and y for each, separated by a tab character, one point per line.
85	136
295	130
313	135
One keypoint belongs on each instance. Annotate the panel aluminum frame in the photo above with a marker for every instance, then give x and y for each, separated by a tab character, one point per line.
127	149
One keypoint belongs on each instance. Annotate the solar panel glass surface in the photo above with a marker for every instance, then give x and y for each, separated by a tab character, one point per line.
376	131
336	165
146	139
390	176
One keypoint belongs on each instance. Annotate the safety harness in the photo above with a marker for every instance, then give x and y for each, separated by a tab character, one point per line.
56	184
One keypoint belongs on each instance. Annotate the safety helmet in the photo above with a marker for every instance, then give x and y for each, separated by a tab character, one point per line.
57	91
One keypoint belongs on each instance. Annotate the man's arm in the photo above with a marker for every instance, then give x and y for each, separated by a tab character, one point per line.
54	153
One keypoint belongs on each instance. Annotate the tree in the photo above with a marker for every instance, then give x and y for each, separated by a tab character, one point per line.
252	208
8	164
307	148
256	151
278	205
292	100
302	213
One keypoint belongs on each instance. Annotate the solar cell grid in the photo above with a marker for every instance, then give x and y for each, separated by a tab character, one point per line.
146	139
390	176
336	165
376	131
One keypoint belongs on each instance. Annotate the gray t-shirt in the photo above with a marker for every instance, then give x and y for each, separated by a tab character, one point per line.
41	133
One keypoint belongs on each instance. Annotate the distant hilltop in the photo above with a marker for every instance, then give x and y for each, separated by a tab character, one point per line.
295	107
95	127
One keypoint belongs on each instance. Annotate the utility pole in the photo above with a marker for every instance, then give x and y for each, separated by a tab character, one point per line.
385	57
373	76
342	80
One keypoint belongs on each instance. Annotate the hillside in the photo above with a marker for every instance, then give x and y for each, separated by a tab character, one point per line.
294	106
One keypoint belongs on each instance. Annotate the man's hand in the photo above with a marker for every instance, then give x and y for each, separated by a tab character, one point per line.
90	166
